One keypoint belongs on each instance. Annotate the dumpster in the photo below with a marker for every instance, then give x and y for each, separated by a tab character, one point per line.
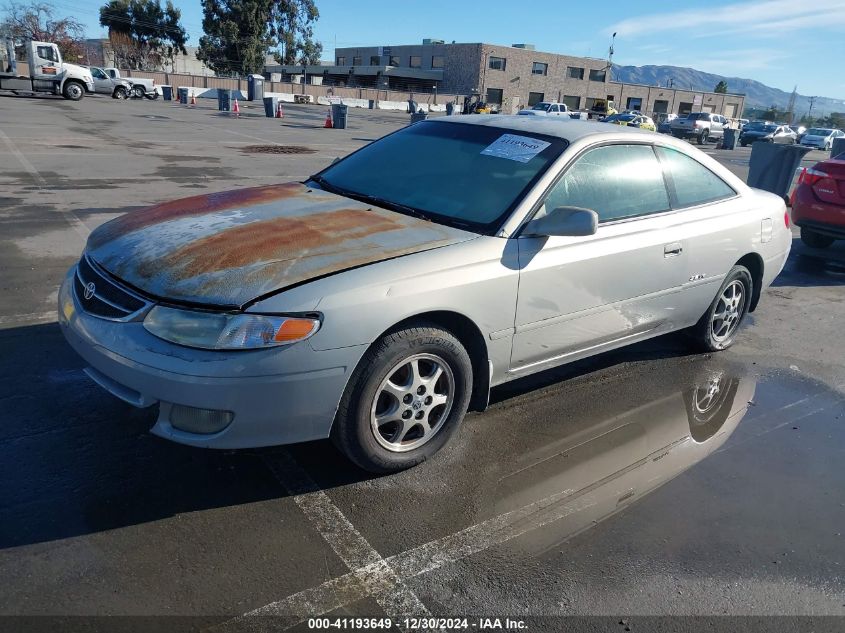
730	139
224	100
339	111
838	146
183	96
254	88
167	93
773	166
271	104
418	116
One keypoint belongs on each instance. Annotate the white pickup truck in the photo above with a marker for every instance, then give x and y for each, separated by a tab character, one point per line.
47	72
140	87
547	108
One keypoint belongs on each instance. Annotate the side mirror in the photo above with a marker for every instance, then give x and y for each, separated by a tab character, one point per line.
564	221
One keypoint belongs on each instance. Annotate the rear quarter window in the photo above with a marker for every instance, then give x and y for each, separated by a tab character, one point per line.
690	182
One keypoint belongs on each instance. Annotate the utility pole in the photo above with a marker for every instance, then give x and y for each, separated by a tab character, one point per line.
609	67
790	109
812	101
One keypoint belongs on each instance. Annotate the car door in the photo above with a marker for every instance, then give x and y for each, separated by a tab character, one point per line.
579	295
102	83
46	61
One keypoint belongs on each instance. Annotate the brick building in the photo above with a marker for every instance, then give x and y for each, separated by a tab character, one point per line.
508	76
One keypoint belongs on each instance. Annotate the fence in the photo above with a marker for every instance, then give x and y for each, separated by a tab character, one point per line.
369	94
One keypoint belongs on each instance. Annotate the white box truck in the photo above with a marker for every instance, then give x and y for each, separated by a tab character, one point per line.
47	72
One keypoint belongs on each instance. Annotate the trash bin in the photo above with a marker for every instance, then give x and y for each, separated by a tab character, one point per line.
254	88
730	139
339	116
271	104
838	146
772	167
183	96
167	93
450	108
224	100
418	116
412	106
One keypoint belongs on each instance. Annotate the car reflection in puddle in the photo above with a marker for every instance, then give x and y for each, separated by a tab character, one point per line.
640	442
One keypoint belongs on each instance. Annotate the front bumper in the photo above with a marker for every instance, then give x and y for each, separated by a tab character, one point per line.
277	396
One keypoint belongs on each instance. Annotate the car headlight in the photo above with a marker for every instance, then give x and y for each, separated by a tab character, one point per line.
218	330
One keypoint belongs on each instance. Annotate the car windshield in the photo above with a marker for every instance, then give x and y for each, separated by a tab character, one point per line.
754	125
769	128
818	131
470	176
699	116
541	106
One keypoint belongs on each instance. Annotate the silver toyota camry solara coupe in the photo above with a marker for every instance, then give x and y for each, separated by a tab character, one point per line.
380	299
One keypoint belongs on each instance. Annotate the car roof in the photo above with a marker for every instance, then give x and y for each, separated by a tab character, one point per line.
561	127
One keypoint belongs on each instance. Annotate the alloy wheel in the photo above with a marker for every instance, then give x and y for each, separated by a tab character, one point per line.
413	402
728	312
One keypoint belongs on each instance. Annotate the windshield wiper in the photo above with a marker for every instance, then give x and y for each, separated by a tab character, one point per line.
365	197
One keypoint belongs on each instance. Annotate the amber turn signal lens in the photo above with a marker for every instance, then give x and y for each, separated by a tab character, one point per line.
295	329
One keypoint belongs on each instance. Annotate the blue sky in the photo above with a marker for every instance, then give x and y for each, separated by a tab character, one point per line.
779	42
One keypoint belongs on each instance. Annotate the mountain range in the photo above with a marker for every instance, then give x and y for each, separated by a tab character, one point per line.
756	94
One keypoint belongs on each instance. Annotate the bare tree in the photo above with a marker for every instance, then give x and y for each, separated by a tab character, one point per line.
38	21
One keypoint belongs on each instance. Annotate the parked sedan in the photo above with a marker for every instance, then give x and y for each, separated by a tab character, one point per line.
821	138
767	133
377	309
818	203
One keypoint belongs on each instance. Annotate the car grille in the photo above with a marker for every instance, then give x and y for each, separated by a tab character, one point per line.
101	297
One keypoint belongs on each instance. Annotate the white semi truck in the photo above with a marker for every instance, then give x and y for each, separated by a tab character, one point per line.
47	72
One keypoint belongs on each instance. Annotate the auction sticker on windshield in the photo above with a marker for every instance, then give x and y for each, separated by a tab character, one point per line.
514	147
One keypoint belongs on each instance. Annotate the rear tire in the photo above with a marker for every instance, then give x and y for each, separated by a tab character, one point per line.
138	91
815	240
420	372
703	138
718	326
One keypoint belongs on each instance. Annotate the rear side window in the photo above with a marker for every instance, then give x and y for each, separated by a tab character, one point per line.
690	182
616	181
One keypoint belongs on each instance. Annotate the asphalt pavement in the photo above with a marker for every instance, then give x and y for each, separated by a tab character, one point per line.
601	488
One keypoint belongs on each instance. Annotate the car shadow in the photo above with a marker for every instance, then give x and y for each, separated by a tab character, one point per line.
76	461
813	267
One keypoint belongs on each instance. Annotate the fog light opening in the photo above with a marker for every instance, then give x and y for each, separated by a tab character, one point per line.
195	420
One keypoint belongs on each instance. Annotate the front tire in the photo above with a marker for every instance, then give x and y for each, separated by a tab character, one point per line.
405	400
718	326
73	90
815	240
120	93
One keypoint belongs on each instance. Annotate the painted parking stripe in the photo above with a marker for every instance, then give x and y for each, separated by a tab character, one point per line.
380	581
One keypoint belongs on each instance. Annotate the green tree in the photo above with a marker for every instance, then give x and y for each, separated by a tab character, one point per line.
721	87
38	21
143	32
240	33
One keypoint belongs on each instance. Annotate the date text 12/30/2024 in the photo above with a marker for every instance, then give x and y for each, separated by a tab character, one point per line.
416	624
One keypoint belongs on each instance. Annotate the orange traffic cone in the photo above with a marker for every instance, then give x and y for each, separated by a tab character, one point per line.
280	113
193	100
328	119
236	109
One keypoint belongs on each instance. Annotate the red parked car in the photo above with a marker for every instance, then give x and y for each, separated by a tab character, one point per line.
818	203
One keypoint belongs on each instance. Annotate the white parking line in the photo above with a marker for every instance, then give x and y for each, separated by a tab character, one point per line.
397	600
77	224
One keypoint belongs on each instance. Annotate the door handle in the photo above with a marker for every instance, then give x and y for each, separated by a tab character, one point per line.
673	250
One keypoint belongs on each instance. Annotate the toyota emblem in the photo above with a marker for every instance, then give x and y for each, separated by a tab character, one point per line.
89	290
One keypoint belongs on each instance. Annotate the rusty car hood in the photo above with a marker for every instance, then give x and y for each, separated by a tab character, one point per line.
226	249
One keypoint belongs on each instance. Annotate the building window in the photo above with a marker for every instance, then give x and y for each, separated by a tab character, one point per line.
437	61
356	61
573	72
375	60
534	98
590	103
540	69
416	61
497	63
684	107
494	95
634	103
572	102
661	106
394	60
597	75
341	61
